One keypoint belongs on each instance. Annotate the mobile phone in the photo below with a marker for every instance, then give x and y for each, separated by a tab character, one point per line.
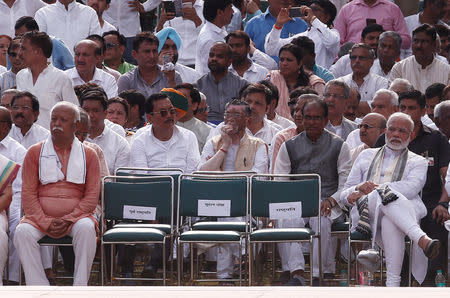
295	12
169	6
370	22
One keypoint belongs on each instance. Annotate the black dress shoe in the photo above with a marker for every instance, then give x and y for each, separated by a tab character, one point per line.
432	250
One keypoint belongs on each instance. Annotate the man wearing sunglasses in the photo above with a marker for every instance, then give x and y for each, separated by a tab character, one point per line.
115	48
8	79
362	57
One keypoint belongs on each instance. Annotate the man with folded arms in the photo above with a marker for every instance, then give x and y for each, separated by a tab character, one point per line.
383	187
59	195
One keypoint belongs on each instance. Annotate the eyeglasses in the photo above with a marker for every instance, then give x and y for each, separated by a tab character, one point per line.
164	113
12	55
6	105
110	45
25	108
365	126
233	115
202	110
312	118
362	58
328	95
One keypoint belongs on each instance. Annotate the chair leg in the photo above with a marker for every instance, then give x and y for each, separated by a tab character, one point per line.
240	263
410	263
273	259
349	262
164	261
179	262
320	260
250	263
112	264
102	264
192	261
311	262
381	267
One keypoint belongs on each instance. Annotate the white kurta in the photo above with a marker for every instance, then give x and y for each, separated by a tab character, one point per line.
409	186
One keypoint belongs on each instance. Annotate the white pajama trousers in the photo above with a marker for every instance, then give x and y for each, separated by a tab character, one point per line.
291	253
398	219
84	246
3	243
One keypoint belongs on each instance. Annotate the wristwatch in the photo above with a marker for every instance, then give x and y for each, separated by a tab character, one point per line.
444	204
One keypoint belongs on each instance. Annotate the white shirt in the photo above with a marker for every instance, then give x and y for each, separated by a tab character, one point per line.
353	139
266	133
376	69
115	148
20	8
34	135
188	33
447	180
101	78
209	34
15	152
253	74
121	16
52	86
260	164
282	121
188	75
264	60
283	165
342	67
437	72
118	129
326	42
72	25
180	151
372	83
107	27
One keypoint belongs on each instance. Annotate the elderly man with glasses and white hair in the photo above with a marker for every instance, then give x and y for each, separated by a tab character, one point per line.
383	190
60	191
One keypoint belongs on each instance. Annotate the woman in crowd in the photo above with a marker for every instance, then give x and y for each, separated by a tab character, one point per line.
290	76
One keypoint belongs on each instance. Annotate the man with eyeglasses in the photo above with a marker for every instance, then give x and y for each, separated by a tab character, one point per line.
384	188
336	95
434	146
362	57
115	48
315	150
115	147
164	145
371	127
25	112
422	68
8	78
233	150
7	96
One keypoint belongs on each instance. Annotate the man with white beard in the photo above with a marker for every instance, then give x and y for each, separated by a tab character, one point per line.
383	188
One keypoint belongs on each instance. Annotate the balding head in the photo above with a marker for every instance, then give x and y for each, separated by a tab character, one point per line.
372	126
385	102
442	117
87	54
400	86
63	123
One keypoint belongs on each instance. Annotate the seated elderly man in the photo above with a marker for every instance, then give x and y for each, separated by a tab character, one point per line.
384	186
59	195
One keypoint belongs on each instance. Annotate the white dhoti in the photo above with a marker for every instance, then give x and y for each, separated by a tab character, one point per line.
3	243
291	254
397	220
84	246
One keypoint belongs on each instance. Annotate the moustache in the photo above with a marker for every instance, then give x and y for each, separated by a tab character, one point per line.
19	115
57	128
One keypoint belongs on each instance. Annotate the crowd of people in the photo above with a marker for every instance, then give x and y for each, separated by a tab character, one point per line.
354	92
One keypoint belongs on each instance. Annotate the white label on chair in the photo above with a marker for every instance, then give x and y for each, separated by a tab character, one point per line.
139	212
289	210
214	207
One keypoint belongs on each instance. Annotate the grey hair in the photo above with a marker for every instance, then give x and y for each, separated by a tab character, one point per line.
308	96
84	116
363	46
392	94
394	35
202	96
10	91
409	86
402	116
439	107
340	83
70	105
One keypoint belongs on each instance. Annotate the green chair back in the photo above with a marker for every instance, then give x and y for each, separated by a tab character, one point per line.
265	191
149	191
205	187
